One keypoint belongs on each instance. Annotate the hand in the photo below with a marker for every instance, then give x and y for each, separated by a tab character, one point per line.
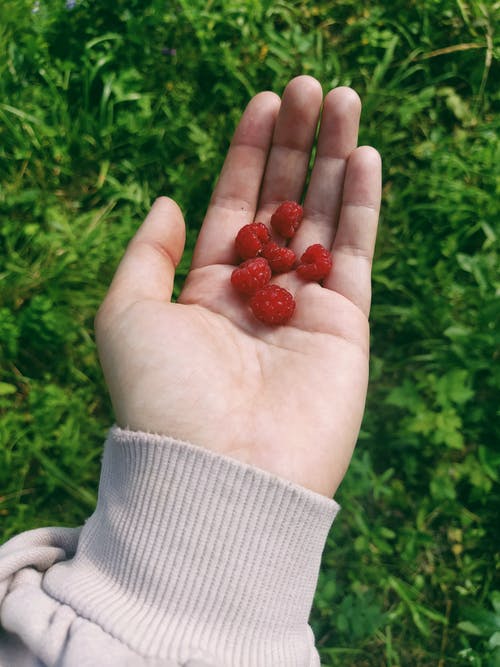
286	399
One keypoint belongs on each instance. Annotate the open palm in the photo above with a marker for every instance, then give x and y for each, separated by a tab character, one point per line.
287	399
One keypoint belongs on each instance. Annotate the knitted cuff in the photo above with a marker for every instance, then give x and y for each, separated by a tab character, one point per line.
188	548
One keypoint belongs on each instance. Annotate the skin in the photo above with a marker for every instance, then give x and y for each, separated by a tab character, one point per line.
286	399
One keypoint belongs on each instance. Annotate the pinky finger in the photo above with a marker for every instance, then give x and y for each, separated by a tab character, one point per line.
354	242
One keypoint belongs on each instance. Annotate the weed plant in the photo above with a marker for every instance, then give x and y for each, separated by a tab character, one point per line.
104	106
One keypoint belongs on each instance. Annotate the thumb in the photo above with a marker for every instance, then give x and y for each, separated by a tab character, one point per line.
147	269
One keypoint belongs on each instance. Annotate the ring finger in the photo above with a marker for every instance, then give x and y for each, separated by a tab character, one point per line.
338	137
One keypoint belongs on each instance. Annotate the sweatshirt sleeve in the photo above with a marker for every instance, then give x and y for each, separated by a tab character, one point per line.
190	559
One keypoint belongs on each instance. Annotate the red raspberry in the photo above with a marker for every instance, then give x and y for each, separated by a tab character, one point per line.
251	275
315	263
280	259
250	239
287	218
272	305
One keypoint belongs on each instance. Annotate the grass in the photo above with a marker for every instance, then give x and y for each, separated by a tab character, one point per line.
104	106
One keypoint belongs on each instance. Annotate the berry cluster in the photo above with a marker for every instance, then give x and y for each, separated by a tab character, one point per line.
262	257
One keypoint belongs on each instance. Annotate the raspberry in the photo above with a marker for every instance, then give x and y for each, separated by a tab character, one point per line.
272	305
250	239
287	218
280	259
315	263
251	275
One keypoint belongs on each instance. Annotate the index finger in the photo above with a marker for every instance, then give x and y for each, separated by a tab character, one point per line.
234	201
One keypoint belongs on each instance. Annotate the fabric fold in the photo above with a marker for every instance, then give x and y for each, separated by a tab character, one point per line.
191	555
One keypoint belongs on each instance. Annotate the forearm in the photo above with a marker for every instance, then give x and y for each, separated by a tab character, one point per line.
190	554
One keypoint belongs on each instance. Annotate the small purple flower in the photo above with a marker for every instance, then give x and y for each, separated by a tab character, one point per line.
70	4
166	51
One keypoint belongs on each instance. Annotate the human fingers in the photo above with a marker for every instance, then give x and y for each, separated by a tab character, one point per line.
235	197
338	137
290	154
354	242
147	268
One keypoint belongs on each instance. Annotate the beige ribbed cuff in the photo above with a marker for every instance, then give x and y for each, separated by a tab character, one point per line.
189	551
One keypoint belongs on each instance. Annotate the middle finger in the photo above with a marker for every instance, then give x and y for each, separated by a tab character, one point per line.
288	162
